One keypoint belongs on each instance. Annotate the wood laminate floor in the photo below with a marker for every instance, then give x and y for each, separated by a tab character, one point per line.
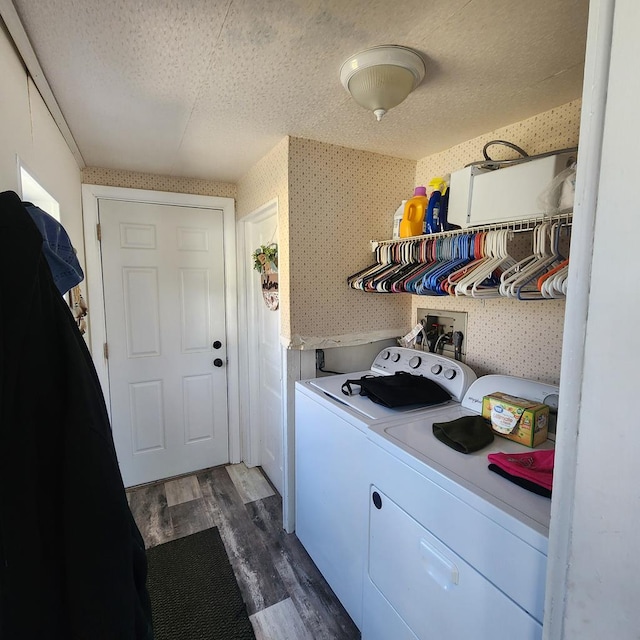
287	598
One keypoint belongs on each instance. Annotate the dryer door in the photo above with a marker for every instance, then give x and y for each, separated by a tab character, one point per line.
417	579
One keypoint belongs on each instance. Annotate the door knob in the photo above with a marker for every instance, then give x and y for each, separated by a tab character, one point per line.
217	344
218	362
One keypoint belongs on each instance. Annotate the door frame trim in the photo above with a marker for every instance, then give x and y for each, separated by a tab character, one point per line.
97	332
251	430
600	38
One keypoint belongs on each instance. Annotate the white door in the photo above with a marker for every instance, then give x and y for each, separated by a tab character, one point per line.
163	272
265	354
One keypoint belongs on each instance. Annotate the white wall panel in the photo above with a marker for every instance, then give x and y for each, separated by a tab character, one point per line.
198	404
147	424
190	239
137	236
195	320
28	132
603	591
142	313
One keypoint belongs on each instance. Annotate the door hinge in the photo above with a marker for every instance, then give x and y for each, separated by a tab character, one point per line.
99	232
105	349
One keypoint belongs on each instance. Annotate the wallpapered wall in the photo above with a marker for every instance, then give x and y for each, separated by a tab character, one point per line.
339	200
507	336
173	184
333	200
266	180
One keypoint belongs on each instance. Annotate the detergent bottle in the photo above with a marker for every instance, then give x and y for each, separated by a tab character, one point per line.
432	222
397	219
414	212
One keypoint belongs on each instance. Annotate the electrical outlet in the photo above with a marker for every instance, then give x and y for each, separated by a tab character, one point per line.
439	325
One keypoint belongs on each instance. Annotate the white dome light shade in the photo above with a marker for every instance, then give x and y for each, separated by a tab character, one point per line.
381	78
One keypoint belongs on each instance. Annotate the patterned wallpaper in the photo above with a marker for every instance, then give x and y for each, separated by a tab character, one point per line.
339	200
266	180
173	184
333	200
554	129
507	336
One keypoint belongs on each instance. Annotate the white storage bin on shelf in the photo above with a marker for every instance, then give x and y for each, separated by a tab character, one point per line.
460	194
479	196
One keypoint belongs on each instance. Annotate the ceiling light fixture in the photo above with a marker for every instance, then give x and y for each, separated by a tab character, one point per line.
380	78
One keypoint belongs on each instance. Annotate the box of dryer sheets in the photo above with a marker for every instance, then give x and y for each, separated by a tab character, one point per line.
518	419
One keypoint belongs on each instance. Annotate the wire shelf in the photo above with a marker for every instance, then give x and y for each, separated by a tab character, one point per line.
564	216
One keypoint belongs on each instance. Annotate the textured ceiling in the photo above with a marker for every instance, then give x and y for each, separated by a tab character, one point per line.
205	88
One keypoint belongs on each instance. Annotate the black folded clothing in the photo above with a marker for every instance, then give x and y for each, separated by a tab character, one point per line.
467	434
522	482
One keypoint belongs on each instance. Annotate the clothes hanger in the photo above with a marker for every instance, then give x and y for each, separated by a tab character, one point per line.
462	255
463	286
422	250
492	256
522	269
490	287
430	256
476	247
437	249
553	287
548	275
525	286
383	258
469	264
391	281
411	256
452	252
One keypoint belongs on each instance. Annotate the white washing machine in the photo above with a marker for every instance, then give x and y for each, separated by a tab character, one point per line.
332	480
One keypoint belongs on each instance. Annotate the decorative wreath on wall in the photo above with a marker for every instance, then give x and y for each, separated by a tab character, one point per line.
265	261
265	254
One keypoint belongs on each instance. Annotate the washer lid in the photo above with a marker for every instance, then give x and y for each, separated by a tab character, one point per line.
513	385
332	386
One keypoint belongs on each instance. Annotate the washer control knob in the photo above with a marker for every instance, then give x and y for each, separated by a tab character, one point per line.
450	374
395	357
414	363
436	369
385	355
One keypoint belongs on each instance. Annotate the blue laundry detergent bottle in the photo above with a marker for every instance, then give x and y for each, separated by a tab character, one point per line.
444	208
433	221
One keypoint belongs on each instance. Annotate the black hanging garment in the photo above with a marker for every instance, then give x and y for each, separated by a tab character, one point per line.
72	561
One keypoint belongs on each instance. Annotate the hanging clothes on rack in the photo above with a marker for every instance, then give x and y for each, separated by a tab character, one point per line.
72	561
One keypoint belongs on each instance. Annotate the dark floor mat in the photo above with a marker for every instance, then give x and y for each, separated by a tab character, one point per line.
194	593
